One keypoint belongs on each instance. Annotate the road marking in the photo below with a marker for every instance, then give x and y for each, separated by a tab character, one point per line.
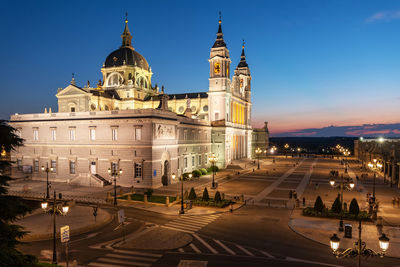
245	250
194	248
178	229
138	253
189	263
191	224
205	244
224	247
133	263
129	257
266	254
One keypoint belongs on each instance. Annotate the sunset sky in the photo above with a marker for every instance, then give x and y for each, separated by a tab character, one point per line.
313	63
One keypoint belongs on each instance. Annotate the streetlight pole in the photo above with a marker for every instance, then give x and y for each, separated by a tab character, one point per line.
47	170
114	173
343	184
258	153
213	159
54	211
182	211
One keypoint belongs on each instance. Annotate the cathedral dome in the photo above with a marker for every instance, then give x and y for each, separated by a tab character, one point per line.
126	55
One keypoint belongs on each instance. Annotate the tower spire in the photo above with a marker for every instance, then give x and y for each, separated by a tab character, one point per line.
243	62
126	35
219	42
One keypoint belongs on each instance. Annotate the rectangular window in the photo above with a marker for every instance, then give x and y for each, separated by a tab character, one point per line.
72	134
185	135
92	134
72	109
19	164
72	167
114	133
35	134
199	160
138	133
138	170
185	162
192	160
36	165
54	165
53	134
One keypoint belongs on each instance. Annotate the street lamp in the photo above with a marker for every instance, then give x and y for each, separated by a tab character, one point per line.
258	153
349	185
115	173
55	210
374	167
213	159
47	170
182	210
286	149
359	248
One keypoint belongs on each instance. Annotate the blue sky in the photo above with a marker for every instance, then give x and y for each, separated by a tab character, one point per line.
314	63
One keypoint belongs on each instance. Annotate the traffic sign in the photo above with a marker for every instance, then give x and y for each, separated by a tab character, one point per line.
121	216
64	233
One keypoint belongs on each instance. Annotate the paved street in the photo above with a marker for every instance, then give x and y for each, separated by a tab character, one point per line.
257	234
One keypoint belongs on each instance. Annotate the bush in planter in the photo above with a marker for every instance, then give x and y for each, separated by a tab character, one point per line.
217	197
354	208
336	206
196	173
210	169
203	171
206	197
318	205
192	194
149	192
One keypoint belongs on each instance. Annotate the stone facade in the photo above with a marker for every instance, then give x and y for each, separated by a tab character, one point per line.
125	122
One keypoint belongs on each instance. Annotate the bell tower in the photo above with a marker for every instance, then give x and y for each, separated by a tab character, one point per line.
219	81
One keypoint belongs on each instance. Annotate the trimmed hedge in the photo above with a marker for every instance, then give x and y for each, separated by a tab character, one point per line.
152	198
318	205
203	171
311	212
192	194
336	207
206	197
212	203
196	173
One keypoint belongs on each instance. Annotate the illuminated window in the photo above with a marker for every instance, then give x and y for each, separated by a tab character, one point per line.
54	165
138	133
72	167
138	170
72	134
53	134
92	132
114	133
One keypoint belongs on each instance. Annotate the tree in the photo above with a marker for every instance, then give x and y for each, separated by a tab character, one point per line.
192	194
319	205
12	208
217	197
206	197
336	206
354	208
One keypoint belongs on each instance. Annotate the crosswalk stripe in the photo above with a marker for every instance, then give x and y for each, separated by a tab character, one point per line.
111	255
197	219
224	247
99	264
178	229
132	263
183	223
244	250
195	248
183	226
266	254
205	244
138	253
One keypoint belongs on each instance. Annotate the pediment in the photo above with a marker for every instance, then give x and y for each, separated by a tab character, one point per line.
71	90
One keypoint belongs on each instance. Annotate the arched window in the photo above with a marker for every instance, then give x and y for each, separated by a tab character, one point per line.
106	107
92	107
114	79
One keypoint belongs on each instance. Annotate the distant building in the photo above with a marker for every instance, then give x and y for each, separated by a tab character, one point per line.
125	122
383	154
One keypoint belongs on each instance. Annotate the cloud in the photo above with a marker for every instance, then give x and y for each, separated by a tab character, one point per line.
384	16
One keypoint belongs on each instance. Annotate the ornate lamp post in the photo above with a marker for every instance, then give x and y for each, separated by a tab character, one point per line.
349	185
258	153
286	149
55	210
47	170
213	159
182	210
115	173
359	248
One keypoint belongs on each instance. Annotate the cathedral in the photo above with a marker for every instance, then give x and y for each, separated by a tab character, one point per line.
126	122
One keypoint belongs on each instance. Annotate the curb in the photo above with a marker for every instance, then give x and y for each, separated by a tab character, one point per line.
48	236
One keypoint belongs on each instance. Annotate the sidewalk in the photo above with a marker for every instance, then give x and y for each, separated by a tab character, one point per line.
320	230
79	218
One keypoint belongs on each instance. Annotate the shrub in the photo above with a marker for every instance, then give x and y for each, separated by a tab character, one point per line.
318	205
217	197
206	197
336	206
186	176
149	192
203	171
196	173
210	169
192	194
354	208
